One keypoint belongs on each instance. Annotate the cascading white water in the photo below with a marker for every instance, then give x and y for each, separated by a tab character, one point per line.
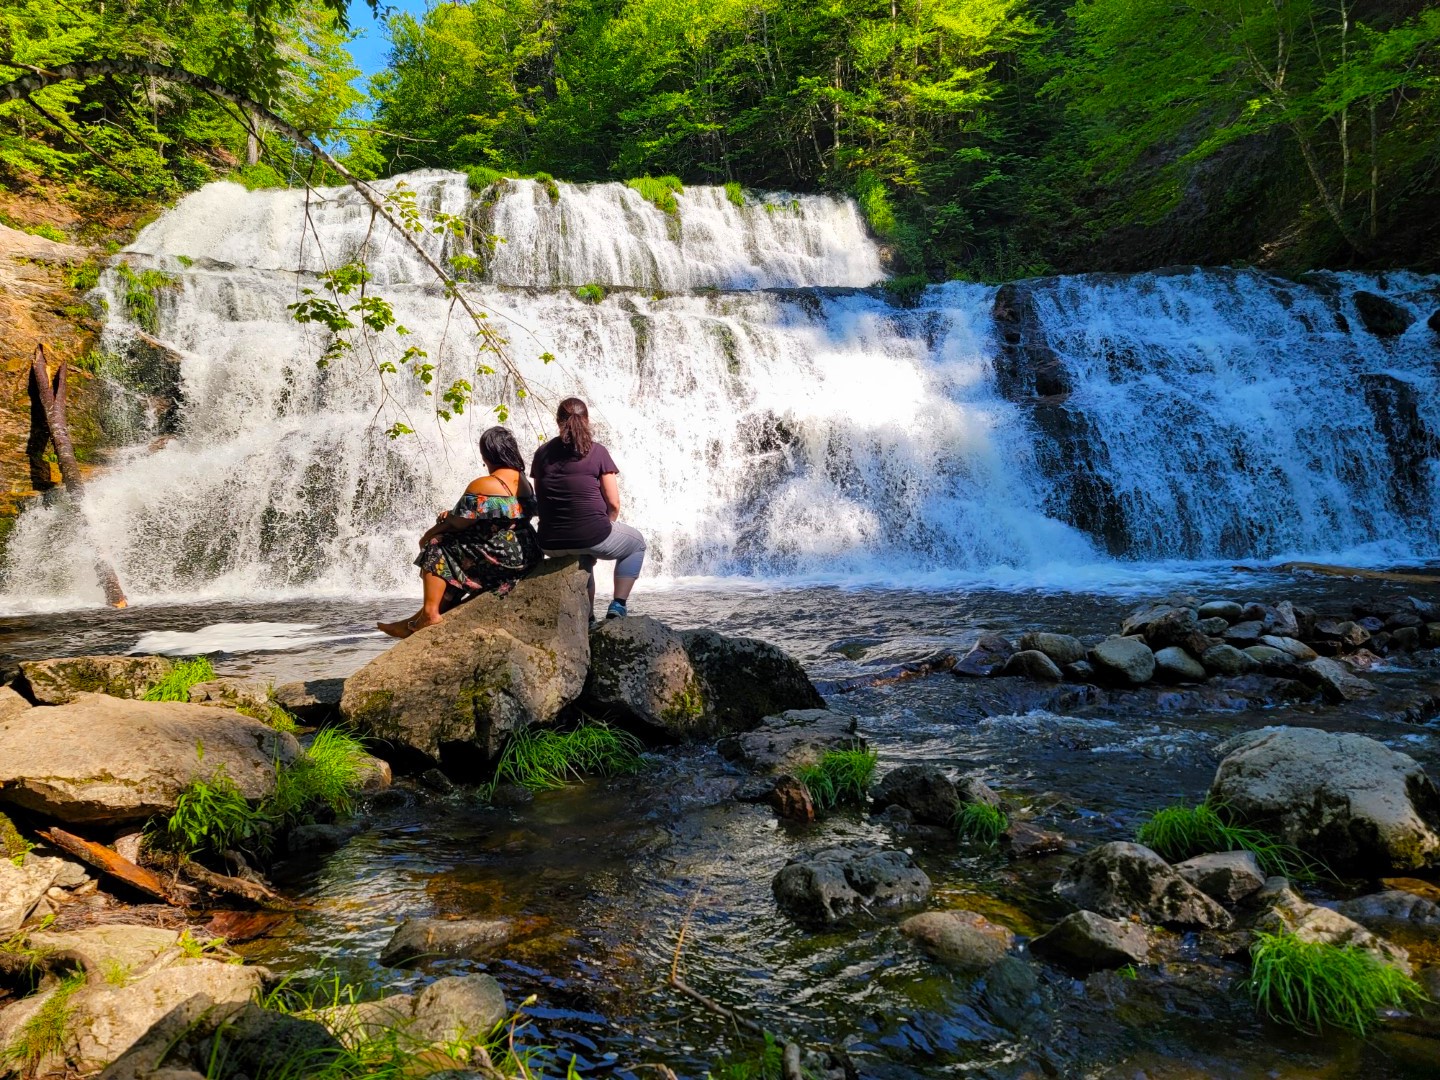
763	427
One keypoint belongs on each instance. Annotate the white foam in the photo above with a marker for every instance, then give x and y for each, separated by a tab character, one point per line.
233	637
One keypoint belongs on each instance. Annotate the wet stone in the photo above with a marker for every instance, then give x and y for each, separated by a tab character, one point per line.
1023	841
973	789
924	790
1011	994
1221	609
962	939
1392	908
1334	680
985	657
419	939
1061	648
1174	664
841	884
793	740
1123	660
1032	664
791	799
1225	659
1225	876
1088	940
1246	633
1120	880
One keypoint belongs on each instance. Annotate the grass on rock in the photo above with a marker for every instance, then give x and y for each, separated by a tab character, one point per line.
735	193
544	759
768	1064
980	823
176	685
1181	832
385	1048
840	776
213	815
591	294
659	190
44	1034
1314	986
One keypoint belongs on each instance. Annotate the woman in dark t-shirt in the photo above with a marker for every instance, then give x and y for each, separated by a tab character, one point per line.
577	485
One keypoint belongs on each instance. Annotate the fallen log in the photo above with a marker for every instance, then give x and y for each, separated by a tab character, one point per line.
237	927
1327	570
116	866
52	401
251	891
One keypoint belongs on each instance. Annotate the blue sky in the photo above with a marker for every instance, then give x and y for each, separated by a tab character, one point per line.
370	47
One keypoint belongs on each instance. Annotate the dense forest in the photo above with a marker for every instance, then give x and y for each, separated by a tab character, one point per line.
983	138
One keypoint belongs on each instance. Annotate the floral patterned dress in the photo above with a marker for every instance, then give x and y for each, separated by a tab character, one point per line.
496	550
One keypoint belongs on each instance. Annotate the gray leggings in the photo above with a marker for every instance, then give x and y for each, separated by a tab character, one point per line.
624	544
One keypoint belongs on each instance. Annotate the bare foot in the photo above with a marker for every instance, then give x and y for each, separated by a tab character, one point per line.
405	628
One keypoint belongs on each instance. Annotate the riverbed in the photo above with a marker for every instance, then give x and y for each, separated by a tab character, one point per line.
613	882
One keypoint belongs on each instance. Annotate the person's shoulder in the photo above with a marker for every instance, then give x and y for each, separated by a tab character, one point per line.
601	458
543	453
487	485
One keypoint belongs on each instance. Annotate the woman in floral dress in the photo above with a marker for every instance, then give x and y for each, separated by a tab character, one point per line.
485	544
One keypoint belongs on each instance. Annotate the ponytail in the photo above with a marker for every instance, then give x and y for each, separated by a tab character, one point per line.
574	420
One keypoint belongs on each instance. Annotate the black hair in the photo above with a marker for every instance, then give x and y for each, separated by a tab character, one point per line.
500	451
574	420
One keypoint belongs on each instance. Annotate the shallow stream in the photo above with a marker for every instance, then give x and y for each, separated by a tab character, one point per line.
603	876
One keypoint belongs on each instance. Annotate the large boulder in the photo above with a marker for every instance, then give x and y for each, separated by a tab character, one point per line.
1174	664
924	790
63	679
1381	316
106	759
1032	664
842	884
492	666
11	703
1348	800
689	685
1121	880
458	1007
22	888
744	680
1088	940
1335	680
1393	909
1123	660
962	939
793	740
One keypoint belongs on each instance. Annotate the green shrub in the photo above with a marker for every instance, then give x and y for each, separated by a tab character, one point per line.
328	774
82	277
905	289
980	823
543	760
44	1034
1314	986
46	231
591	294
768	1064
874	203
1181	832
840	776
659	190
735	193
258	177
176	685
212	815
480	177
552	189
140	294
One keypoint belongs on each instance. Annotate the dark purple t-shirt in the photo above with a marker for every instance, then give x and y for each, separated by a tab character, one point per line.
573	513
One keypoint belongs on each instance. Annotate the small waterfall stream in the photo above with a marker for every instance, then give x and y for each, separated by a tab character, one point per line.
772	416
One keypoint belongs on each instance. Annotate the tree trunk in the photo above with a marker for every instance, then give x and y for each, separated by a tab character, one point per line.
52	400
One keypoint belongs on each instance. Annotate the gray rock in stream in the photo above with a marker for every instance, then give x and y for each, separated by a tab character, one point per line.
1061	648
1392	909
1226	659
461	1006
419	939
1221	609
792	740
924	790
1224	876
961	939
1032	664
1092	941
1121	880
1123	660
844	884
1174	664
1334	680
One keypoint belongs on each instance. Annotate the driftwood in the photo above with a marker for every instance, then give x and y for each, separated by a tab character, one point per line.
52	401
251	891
896	673
237	927
1327	570
117	866
790	1062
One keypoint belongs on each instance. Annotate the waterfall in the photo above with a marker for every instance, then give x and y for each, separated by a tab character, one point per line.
771	415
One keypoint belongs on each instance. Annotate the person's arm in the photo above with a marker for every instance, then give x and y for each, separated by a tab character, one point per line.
610	489
449	521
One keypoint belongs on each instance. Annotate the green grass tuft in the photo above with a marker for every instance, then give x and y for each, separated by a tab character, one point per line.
591	294
44	1034
980	823
479	177
1314	986
140	294
176	685
212	815
768	1064
1181	832
543	760
552	189
735	193
659	190
840	776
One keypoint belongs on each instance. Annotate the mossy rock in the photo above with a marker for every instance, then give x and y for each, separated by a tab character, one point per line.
61	680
